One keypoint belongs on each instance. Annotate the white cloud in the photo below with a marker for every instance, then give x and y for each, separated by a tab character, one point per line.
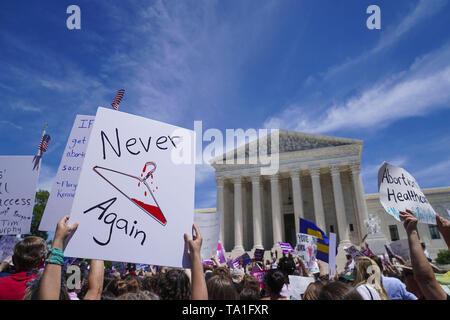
421	89
9	123
437	174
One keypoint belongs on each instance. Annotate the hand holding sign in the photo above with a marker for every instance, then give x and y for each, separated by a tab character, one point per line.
63	231
195	244
409	221
443	226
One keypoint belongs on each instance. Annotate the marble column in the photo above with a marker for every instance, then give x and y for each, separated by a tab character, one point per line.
339	205
276	210
221	207
298	200
317	197
238	220
257	215
360	199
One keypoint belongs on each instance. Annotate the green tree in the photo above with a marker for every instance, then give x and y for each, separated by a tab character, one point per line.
443	257
38	211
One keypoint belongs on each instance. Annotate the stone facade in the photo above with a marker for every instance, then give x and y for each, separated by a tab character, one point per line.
319	179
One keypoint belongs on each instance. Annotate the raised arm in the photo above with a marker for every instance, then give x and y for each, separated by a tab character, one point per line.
423	273
198	287
443	226
96	277
51	279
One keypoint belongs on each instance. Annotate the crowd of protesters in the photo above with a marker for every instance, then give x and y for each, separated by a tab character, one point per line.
37	273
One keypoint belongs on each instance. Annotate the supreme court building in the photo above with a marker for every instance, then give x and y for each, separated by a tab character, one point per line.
318	179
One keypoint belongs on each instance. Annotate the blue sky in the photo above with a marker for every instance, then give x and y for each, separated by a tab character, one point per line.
310	66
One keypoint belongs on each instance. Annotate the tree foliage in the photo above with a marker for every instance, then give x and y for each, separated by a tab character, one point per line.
443	257
38	210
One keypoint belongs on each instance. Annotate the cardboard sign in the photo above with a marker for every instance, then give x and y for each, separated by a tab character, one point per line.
259	254
355	253
7	244
61	197
135	197
245	260
18	182
399	191
400	248
306	249
209	227
332	256
298	285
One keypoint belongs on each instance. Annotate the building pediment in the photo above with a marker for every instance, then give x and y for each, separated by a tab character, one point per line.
289	142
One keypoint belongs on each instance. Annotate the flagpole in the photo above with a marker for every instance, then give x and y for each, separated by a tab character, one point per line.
40	150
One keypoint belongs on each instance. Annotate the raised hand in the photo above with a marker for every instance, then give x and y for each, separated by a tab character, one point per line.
409	221
62	232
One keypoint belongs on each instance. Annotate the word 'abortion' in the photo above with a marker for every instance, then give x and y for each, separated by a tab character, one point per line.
403	195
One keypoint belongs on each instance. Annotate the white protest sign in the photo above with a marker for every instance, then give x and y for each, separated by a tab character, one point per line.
7	244
209	227
135	197
332	255
400	248
399	191
18	182
60	201
306	249
298	285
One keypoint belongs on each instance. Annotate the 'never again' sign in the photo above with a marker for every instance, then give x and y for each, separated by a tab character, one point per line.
135	197
399	191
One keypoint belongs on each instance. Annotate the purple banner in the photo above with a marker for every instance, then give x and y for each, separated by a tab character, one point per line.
286	247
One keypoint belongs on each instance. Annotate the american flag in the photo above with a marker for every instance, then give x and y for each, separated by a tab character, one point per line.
118	99
286	247
45	141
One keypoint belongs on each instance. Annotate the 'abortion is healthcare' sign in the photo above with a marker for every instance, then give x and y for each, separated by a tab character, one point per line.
399	191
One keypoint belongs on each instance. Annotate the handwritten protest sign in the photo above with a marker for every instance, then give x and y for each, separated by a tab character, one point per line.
7	244
298	285
209	227
135	197
18	182
306	249
61	197
400	191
